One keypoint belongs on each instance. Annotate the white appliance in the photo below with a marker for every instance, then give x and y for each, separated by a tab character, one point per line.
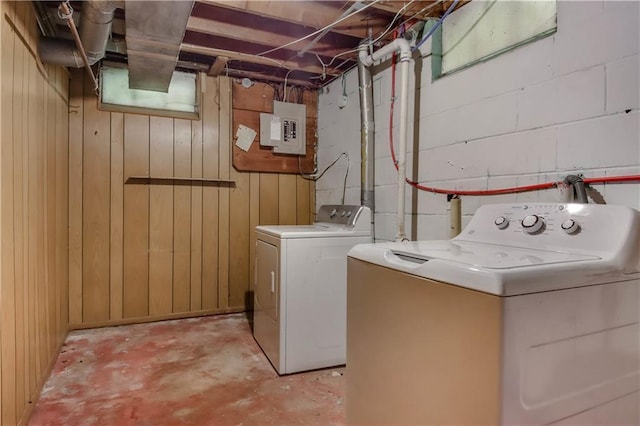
529	316
299	317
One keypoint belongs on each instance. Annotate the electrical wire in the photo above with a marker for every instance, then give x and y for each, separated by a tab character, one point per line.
435	27
377	39
314	174
284	95
333	24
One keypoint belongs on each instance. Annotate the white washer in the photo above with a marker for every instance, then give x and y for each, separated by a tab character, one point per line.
529	316
299	317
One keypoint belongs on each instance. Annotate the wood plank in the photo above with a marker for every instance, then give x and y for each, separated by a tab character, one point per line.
303	203
76	119
62	211
259	35
258	97
210	206
160	217
41	307
240	240
314	14
136	218
312	67
218	66
20	274
287	199
8	285
33	238
196	217
50	216
182	218
117	216
268	199
310	100
254	220
224	209
312	210
96	209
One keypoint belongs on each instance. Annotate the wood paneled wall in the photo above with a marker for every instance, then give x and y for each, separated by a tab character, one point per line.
33	213
147	250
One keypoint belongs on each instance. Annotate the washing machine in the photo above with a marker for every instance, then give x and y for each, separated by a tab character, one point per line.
529	316
300	295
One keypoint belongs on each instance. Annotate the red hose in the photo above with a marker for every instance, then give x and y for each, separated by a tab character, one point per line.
500	191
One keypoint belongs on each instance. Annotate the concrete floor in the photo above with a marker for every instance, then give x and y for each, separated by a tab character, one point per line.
201	371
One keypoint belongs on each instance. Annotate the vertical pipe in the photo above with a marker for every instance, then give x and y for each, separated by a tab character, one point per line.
401	45
455	216
367	129
405	57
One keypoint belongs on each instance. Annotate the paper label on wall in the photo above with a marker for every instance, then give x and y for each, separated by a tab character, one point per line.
276	128
246	136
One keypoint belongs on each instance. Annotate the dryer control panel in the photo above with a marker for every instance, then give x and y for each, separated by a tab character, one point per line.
595	229
346	215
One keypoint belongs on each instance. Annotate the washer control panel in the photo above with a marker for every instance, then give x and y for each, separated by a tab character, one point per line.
559	226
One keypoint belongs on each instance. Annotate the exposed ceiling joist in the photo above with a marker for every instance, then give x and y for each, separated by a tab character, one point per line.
267	40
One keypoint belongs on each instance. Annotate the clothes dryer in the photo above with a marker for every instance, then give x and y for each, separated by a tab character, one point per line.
299	317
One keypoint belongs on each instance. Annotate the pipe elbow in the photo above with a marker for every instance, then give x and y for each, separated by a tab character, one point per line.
363	55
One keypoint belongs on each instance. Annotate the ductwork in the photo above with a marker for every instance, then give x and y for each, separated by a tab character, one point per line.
95	29
155	30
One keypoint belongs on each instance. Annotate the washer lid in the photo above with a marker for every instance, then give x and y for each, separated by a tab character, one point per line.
310	231
482	255
495	269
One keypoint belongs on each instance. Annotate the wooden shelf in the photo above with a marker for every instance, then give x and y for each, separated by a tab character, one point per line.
172	180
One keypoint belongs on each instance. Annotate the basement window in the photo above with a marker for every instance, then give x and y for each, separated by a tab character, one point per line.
482	30
181	100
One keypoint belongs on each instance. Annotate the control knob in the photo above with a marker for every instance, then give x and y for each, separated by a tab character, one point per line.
532	223
570	226
501	222
333	213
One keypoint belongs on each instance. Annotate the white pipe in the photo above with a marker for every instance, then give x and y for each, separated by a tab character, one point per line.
401	45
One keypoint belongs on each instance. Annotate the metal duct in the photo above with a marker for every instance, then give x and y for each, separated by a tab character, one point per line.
155	30
367	129
95	29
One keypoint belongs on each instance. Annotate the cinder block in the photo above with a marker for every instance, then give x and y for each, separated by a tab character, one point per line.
623	84
594	33
572	97
601	142
432	227
386	198
489	117
386	173
521	67
622	194
385	226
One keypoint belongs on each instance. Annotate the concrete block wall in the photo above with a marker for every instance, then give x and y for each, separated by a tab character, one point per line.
566	104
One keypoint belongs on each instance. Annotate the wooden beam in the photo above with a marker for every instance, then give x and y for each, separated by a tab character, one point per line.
261	77
255	59
218	66
257	35
313	14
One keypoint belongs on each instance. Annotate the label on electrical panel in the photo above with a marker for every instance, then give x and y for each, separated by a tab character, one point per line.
275	128
289	128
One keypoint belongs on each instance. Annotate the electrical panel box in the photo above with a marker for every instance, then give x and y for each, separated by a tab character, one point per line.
285	129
